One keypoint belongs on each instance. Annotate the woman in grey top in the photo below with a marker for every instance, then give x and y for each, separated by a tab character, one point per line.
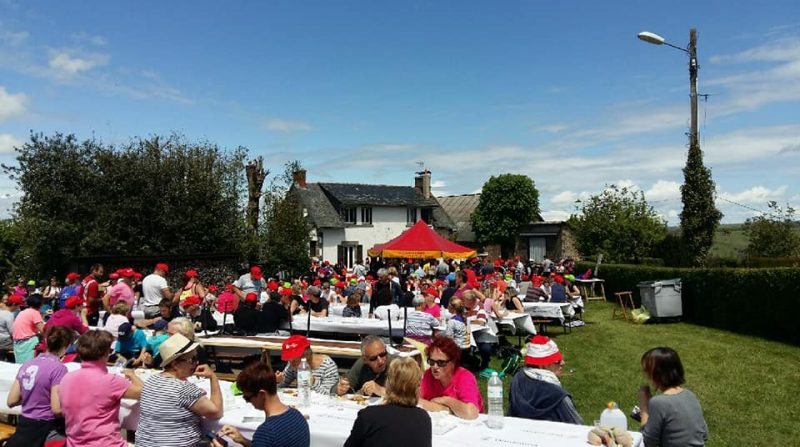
673	418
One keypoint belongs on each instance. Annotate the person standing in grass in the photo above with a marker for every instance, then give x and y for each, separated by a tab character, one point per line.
675	417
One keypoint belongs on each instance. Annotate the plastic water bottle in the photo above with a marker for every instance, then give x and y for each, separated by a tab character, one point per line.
304	383
613	417
494	392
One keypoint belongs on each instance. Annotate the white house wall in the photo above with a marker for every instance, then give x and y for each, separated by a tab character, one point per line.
387	223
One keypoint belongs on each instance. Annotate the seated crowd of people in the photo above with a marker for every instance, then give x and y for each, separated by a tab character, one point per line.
446	299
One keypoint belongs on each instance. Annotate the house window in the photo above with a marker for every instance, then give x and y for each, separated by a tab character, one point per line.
349	254
349	215
366	216
412	215
427	215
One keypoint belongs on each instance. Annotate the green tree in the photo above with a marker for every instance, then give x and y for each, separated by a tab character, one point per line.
700	216
776	234
508	202
150	196
287	235
619	224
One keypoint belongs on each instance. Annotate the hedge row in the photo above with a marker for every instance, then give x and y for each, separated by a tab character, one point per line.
761	302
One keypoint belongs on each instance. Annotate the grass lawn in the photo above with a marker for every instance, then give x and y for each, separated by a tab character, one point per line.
748	386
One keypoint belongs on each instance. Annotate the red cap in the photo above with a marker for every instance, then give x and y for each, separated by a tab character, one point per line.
251	297
15	299
431	291
293	347
191	300
286	291
190	274
229	287
162	266
73	302
255	272
127	273
272	285
317	282
137	275
72	276
114	275
213	288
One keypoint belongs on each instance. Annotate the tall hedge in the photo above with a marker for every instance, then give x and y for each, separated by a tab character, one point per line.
761	302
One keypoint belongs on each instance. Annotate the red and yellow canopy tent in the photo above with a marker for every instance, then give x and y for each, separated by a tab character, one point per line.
420	242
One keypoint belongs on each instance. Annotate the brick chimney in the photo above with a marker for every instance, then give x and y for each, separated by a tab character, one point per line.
300	178
422	182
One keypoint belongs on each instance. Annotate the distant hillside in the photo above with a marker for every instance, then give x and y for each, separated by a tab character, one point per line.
729	242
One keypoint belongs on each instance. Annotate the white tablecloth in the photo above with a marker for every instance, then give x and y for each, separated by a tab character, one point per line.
549	310
330	421
334	324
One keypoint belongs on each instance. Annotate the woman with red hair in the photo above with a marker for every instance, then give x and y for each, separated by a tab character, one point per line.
446	386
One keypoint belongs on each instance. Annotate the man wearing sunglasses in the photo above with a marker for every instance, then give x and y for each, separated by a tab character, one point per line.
368	374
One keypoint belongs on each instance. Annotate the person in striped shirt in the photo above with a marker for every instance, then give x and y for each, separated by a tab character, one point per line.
324	372
420	325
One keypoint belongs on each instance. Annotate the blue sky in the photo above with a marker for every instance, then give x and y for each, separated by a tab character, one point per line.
361	91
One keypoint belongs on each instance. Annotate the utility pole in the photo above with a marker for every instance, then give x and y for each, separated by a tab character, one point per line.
692	50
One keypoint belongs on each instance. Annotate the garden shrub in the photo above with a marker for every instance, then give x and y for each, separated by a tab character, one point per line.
751	301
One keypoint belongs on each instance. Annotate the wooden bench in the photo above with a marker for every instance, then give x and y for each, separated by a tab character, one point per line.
6	431
544	322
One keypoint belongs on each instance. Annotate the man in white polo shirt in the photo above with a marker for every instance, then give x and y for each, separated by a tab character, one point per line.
154	289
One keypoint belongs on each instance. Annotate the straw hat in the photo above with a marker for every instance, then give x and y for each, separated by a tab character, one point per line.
174	347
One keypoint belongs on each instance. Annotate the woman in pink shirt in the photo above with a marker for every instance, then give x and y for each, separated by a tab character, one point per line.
446	386
431	307
27	327
90	397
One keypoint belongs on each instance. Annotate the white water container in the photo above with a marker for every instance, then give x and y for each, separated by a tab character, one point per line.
613	417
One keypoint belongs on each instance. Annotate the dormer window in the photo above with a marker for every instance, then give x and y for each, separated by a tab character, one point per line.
348	215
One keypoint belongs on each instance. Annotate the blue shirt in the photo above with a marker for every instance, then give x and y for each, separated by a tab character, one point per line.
289	429
133	344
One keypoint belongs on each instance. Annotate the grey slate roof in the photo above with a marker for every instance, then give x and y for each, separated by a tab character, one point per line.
321	199
321	212
459	208
355	194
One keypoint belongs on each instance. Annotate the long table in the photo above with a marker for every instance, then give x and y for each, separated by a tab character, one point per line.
270	344
556	311
331	419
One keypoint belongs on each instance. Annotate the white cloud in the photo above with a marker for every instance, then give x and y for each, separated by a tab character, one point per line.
551	128
12	105
14	39
555	215
564	198
757	195
67	63
8	142
283	125
663	190
82	37
438	184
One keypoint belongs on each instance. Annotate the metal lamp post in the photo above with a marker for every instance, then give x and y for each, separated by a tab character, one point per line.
691	50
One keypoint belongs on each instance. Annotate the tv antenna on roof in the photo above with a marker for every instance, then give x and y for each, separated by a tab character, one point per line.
422	169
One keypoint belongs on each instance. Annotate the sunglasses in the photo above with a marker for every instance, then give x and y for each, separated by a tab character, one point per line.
438	363
193	360
375	357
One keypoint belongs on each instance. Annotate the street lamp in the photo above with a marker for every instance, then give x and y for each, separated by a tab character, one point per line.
691	50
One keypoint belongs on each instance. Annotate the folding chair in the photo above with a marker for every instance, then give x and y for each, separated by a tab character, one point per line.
624	299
